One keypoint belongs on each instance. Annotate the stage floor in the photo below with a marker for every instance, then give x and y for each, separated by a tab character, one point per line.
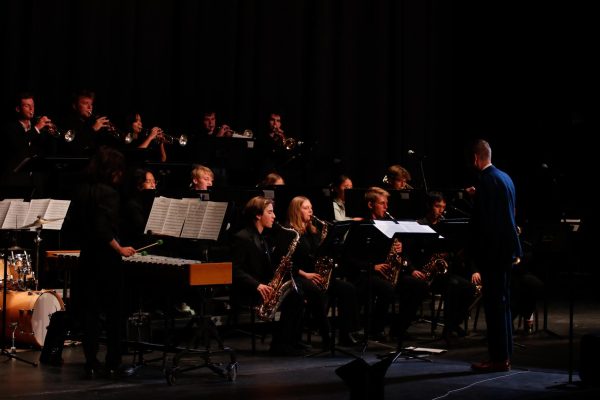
540	370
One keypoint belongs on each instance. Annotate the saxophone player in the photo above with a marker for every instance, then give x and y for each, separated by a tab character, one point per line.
253	269
457	291
367	265
302	219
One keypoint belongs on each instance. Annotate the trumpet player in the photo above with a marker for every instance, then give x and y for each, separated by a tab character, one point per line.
144	139
24	137
87	127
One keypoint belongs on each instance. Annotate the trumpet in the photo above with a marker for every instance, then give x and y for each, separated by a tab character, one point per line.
182	140
111	129
56	132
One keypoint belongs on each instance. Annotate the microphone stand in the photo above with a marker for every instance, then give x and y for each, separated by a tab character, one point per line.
423	175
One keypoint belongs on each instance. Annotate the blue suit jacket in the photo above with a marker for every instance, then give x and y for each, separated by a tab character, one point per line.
495	237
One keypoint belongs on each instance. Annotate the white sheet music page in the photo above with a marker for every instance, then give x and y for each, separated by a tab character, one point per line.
4	204
37	208
158	214
389	228
213	220
178	210
193	221
15	216
57	209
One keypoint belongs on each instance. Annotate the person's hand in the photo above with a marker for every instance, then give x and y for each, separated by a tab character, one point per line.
43	122
470	190
264	291
101	122
476	278
224	130
419	275
156	133
314	278
381	268
126	251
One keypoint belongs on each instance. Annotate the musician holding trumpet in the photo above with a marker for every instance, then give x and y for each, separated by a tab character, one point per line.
24	137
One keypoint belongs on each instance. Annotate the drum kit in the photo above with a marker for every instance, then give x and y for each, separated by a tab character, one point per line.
26	311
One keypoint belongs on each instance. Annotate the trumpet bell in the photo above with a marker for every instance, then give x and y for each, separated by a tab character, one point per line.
183	140
69	136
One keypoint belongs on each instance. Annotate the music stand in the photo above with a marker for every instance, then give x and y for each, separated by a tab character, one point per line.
3	351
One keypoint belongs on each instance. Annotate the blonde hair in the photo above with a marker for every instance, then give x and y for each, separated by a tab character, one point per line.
201	169
373	192
295	216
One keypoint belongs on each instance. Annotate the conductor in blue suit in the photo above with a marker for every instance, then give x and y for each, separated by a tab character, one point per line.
494	247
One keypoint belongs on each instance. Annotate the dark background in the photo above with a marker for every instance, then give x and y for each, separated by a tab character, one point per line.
363	81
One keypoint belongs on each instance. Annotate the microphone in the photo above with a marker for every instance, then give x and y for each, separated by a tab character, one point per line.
413	153
458	210
391	217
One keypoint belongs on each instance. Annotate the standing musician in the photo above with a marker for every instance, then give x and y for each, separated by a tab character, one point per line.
368	260
98	286
90	130
253	269
23	138
144	139
495	247
458	292
301	218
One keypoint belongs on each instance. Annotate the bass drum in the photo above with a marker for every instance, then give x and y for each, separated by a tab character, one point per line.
28	313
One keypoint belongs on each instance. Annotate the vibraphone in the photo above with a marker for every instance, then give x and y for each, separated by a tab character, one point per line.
180	272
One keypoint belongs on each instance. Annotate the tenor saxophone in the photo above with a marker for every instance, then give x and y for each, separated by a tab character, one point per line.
280	285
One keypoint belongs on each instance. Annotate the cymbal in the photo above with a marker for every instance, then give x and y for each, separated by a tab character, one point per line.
15	248
40	222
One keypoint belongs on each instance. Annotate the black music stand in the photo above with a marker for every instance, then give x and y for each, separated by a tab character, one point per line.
332	247
5	352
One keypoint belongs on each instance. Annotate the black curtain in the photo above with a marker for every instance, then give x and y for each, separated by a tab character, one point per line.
362	81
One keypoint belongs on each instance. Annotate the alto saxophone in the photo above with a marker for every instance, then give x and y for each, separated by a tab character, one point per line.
324	265
436	266
396	264
281	287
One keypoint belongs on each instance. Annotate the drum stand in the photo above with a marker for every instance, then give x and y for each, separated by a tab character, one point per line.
5	352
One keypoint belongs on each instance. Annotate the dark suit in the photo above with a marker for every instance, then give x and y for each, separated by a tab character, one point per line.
254	263
495	244
19	145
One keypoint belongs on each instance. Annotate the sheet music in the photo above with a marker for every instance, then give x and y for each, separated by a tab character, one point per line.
157	216
178	210
15	216
389	228
193	222
204	220
213	219
57	209
4	204
37	208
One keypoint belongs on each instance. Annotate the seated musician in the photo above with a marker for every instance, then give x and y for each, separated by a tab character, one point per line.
368	258
202	177
397	178
139	196
302	220
253	269
458	292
